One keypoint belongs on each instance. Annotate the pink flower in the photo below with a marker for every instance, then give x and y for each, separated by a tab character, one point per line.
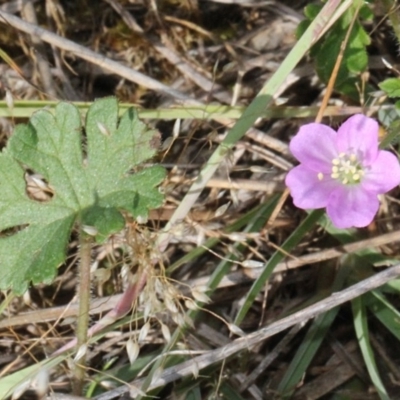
343	171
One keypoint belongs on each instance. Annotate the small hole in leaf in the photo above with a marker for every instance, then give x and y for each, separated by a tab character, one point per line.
13	230
38	188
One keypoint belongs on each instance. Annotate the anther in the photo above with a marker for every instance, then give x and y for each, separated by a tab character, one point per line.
320	176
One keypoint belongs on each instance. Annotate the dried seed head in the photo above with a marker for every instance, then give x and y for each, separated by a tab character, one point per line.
94	266
167	143
132	348
176	129
200	296
236	330
166	332
108	384
9	100
178	319
147	309
252	264
126	274
158	286
80	353
237	237
191	304
171	291
221	210
144	331
170	304
27	298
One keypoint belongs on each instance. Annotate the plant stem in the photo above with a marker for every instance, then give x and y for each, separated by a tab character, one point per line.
392	12
85	248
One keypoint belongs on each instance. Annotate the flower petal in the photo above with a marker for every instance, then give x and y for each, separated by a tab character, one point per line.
383	175
315	146
359	135
352	206
307	190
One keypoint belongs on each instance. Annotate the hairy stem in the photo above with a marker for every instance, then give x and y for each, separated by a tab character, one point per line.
85	247
392	11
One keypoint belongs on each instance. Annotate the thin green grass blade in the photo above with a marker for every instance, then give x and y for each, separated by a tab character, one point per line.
229	393
194	394
384	311
25	109
392	286
277	257
306	352
361	328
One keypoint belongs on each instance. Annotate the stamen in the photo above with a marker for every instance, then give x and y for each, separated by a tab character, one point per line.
320	176
347	169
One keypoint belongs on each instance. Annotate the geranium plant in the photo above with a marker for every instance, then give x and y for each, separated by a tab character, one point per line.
89	188
93	173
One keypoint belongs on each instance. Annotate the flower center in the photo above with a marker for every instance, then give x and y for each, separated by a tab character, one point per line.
347	169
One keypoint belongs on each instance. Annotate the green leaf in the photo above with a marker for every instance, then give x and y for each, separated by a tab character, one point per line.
361	328
355	56
391	87
90	187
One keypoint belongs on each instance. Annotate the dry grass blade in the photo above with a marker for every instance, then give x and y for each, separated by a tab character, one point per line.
89	55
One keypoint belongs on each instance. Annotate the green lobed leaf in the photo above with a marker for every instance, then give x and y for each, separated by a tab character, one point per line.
391	87
90	187
326	51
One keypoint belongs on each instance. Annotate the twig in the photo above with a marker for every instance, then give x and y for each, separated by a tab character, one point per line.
336	67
